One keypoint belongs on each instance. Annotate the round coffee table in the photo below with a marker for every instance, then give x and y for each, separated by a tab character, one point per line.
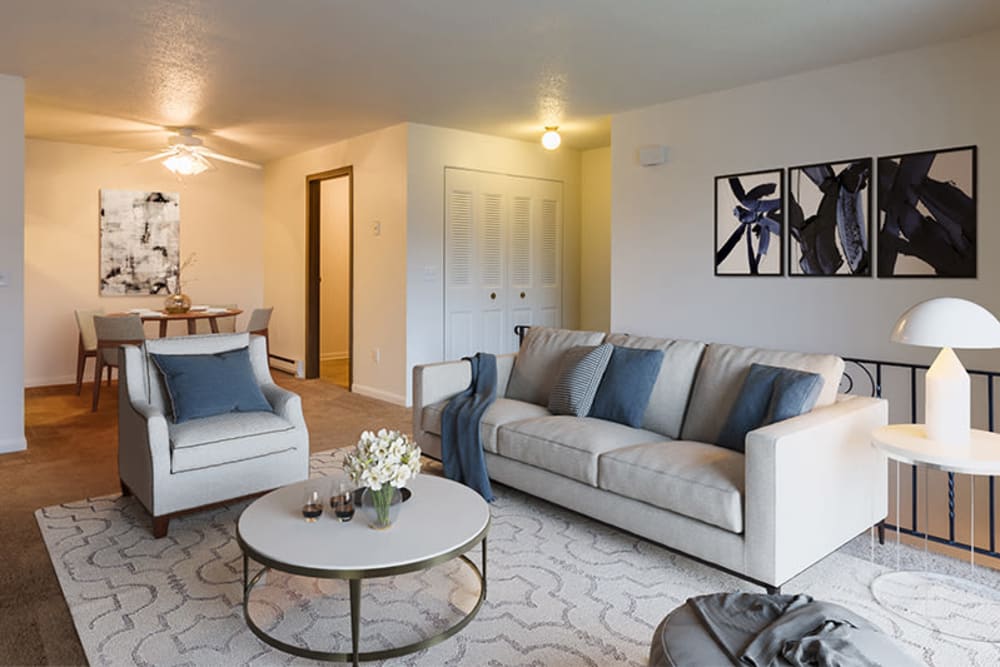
441	521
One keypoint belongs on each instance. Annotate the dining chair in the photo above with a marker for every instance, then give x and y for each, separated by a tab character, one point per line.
226	324
260	318
112	333
86	343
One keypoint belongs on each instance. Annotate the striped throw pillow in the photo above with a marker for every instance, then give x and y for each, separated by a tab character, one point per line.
580	372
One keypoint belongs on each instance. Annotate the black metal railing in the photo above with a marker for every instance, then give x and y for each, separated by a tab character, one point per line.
872	382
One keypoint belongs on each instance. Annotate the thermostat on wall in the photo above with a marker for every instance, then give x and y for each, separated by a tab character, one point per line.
650	156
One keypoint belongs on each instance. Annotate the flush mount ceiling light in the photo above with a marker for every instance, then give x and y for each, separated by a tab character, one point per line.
551	138
187	155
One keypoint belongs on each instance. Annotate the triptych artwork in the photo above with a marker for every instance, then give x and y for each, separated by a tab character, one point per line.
923	223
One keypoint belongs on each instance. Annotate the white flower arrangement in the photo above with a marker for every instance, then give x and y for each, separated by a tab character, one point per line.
385	458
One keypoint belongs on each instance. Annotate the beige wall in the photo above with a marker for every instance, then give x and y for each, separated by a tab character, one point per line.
11	263
662	251
431	149
379	161
595	239
335	268
221	223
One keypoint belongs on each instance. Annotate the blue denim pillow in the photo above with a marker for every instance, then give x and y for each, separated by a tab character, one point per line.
627	385
204	385
770	394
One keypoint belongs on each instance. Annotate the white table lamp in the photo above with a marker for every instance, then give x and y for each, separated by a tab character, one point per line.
947	323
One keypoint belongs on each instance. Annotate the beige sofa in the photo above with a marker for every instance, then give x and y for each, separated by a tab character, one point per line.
804	487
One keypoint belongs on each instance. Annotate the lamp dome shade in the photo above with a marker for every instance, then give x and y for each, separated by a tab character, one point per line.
948	322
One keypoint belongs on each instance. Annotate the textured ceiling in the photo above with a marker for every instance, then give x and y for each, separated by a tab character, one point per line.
265	78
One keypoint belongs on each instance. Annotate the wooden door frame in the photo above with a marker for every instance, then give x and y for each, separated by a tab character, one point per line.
313	248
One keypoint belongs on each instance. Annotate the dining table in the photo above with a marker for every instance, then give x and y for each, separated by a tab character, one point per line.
191	317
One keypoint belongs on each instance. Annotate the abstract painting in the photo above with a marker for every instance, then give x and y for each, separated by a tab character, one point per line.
748	224
140	242
927	214
829	219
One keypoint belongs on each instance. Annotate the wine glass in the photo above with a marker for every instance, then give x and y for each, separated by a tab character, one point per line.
312	504
342	499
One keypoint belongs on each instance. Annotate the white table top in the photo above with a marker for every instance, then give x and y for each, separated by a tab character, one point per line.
908	443
441	516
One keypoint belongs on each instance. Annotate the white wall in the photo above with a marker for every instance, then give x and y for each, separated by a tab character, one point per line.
595	239
221	224
12	263
335	268
431	149
662	275
379	161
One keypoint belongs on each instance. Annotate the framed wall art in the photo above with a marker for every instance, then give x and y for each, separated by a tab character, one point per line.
749	224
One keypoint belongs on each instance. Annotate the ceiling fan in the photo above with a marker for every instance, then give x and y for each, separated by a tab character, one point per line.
188	156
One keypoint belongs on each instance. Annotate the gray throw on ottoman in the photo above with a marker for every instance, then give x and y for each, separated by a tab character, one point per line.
770	631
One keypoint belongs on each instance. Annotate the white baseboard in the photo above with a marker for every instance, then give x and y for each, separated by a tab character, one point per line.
58	379
8	445
335	356
386	396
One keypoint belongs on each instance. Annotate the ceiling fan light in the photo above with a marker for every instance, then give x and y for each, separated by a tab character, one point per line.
185	164
551	138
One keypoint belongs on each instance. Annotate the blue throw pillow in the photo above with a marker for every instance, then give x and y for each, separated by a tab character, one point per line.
627	385
770	394
204	385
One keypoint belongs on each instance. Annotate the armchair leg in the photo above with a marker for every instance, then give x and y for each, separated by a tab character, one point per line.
126	492
160	526
880	528
98	367
773	590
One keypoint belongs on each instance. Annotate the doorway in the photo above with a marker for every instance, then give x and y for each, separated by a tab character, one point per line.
330	254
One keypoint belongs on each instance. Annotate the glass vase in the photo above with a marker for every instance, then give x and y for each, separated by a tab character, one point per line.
176	304
381	507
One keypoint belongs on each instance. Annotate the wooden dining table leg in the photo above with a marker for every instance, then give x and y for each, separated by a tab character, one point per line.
163	328
214	323
192	327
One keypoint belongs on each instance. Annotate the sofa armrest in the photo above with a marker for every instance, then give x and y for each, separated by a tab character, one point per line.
286	404
433	383
143	445
813	482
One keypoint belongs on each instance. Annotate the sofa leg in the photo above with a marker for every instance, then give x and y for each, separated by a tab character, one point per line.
773	590
880	527
126	492
160	525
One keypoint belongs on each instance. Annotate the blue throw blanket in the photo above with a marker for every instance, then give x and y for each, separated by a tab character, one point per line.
461	441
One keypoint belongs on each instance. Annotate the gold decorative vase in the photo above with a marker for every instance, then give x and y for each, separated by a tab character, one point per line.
177	304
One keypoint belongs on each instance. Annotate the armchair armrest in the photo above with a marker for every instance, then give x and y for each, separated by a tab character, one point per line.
812	483
286	404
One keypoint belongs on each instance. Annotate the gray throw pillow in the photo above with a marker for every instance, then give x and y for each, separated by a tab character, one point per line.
770	394
580	373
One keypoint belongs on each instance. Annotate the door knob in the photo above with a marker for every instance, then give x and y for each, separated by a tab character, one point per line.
493	296
522	295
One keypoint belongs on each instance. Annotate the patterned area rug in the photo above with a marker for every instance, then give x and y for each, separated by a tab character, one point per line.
563	590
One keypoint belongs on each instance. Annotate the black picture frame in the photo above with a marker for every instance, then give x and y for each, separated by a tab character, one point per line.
823	240
936	201
749	233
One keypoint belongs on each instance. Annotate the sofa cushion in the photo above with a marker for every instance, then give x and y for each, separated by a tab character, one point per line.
626	386
537	362
503	411
700	481
580	373
204	385
669	399
769	394
720	377
568	446
211	441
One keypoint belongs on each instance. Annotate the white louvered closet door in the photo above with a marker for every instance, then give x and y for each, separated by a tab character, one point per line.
503	259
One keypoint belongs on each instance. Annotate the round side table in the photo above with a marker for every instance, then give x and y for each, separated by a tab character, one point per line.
940	602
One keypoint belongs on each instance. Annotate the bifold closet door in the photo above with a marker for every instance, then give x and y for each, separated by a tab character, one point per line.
503	263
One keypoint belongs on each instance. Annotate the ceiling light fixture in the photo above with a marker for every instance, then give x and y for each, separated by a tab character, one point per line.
185	164
187	156
551	138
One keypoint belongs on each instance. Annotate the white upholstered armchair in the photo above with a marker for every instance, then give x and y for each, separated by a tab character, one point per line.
175	468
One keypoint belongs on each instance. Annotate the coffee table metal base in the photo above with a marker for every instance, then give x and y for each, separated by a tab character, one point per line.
356	656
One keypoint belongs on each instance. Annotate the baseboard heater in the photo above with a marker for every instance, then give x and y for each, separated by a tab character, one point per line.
291	366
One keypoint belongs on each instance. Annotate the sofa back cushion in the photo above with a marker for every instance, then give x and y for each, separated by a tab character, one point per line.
721	375
665	411
538	360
